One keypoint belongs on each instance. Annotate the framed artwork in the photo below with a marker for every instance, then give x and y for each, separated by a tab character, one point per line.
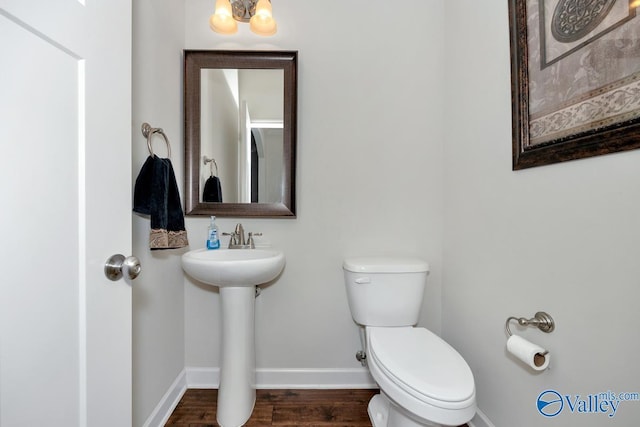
575	79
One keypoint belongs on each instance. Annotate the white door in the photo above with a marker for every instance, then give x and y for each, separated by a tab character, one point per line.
65	207
244	157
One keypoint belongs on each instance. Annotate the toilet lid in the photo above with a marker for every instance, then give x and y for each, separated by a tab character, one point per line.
382	264
421	363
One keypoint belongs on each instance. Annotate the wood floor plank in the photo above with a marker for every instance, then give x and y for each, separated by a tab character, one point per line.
327	414
290	396
281	408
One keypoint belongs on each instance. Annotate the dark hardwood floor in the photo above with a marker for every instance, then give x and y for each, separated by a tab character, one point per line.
345	408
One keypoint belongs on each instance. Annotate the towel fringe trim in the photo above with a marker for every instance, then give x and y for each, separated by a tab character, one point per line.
163	239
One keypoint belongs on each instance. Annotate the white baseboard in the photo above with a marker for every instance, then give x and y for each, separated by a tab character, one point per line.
203	377
168	403
314	378
480	420
206	378
289	378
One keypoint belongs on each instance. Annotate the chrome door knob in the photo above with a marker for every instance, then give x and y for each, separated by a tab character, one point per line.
118	265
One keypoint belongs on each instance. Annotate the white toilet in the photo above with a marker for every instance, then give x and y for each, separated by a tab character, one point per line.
423	380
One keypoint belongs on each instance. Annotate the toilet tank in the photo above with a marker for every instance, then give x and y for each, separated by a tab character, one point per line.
385	291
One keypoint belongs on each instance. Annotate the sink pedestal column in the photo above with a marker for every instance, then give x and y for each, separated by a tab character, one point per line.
237	391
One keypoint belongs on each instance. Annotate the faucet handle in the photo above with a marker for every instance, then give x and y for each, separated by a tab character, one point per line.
234	238
250	241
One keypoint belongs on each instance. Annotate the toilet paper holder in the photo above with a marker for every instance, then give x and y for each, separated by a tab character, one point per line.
541	320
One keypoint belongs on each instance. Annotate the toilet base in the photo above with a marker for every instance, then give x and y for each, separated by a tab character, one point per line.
384	413
378	410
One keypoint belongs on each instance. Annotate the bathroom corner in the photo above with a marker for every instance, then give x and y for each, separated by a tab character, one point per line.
158	293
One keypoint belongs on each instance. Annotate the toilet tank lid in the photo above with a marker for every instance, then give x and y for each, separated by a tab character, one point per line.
385	264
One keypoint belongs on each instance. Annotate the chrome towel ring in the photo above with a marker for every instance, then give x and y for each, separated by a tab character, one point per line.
148	131
212	163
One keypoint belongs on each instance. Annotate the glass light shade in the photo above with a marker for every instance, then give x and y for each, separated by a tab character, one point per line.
262	22
222	20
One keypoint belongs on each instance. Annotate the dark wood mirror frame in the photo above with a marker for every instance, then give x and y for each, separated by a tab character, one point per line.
196	60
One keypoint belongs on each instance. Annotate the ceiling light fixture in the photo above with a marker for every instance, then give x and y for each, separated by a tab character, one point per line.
257	13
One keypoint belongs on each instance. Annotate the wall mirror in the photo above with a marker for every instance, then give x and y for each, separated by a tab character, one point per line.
240	132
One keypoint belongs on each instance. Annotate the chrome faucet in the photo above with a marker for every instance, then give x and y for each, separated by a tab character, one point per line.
238	241
239	235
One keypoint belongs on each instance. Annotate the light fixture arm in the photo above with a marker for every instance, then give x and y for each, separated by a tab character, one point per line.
255	12
243	10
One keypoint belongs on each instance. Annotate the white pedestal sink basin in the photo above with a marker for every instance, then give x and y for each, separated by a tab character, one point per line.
236	272
233	267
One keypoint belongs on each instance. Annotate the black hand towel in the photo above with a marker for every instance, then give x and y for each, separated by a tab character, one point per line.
156	194
212	190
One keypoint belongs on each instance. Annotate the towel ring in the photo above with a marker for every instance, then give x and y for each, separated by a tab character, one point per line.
148	131
212	164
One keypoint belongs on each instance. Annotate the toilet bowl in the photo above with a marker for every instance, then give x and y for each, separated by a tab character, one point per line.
426	379
423	380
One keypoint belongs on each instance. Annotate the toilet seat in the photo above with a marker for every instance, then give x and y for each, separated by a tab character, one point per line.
422	364
422	373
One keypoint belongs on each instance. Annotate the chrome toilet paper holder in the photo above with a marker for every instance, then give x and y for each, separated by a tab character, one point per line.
541	320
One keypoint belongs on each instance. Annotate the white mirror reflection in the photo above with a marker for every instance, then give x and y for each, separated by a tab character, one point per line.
242	139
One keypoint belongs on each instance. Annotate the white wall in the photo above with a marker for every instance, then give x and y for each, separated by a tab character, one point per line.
370	175
562	238
271	165
158	293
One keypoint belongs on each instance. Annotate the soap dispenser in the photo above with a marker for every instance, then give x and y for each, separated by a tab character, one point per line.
213	240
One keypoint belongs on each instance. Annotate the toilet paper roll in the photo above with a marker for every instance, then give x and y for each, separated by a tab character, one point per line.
533	355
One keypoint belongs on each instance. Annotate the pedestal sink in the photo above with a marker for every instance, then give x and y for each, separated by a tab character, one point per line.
236	272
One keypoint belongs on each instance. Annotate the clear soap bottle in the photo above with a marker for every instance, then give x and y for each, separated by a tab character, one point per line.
213	239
